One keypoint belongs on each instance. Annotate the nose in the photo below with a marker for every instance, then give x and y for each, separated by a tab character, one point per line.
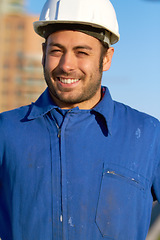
68	62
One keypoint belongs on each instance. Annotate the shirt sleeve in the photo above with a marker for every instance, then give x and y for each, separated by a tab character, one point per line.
156	185
156	174
1	141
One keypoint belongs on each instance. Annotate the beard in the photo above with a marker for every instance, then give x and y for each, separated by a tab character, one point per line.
86	93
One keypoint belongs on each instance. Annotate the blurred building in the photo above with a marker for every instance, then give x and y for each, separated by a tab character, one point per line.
21	75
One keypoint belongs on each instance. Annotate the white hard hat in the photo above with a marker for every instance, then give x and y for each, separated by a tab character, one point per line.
96	14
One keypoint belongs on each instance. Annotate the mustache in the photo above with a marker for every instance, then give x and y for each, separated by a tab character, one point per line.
61	73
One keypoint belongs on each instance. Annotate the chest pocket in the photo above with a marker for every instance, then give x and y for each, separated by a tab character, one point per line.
120	203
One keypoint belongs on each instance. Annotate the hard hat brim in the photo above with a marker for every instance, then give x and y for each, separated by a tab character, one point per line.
40	28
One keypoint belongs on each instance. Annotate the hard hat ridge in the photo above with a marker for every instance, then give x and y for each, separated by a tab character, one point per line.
96	14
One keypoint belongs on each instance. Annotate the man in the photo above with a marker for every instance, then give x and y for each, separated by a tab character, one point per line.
76	164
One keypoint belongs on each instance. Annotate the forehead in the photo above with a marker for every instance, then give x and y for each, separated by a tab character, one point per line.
73	38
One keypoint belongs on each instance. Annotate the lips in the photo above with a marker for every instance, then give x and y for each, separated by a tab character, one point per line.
67	80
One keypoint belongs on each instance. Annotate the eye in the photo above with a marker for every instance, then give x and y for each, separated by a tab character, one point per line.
55	52
82	53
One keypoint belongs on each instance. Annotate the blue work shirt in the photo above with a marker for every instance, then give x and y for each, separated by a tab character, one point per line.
77	174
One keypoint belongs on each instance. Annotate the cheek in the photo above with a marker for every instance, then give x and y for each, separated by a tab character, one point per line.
51	63
88	67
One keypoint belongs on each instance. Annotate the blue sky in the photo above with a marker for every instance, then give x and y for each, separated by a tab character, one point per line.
134	77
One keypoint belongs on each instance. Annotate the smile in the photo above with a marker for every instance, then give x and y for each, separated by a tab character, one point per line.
68	80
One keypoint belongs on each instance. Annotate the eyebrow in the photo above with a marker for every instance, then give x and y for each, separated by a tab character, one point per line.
52	44
83	47
55	45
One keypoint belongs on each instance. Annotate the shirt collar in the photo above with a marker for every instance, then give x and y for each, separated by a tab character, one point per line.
45	104
106	108
42	106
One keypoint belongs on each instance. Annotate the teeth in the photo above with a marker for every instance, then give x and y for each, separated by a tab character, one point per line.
68	80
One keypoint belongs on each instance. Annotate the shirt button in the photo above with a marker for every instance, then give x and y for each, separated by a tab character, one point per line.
61	218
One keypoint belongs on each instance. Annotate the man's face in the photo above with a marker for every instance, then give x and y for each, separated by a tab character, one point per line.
72	69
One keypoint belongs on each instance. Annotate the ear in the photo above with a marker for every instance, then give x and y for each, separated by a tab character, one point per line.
108	59
44	53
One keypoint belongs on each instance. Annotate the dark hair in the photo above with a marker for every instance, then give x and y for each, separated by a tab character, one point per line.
104	49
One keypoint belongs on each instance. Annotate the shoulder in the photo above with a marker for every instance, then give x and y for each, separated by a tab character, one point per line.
14	115
11	120
131	115
135	123
125	116
11	126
